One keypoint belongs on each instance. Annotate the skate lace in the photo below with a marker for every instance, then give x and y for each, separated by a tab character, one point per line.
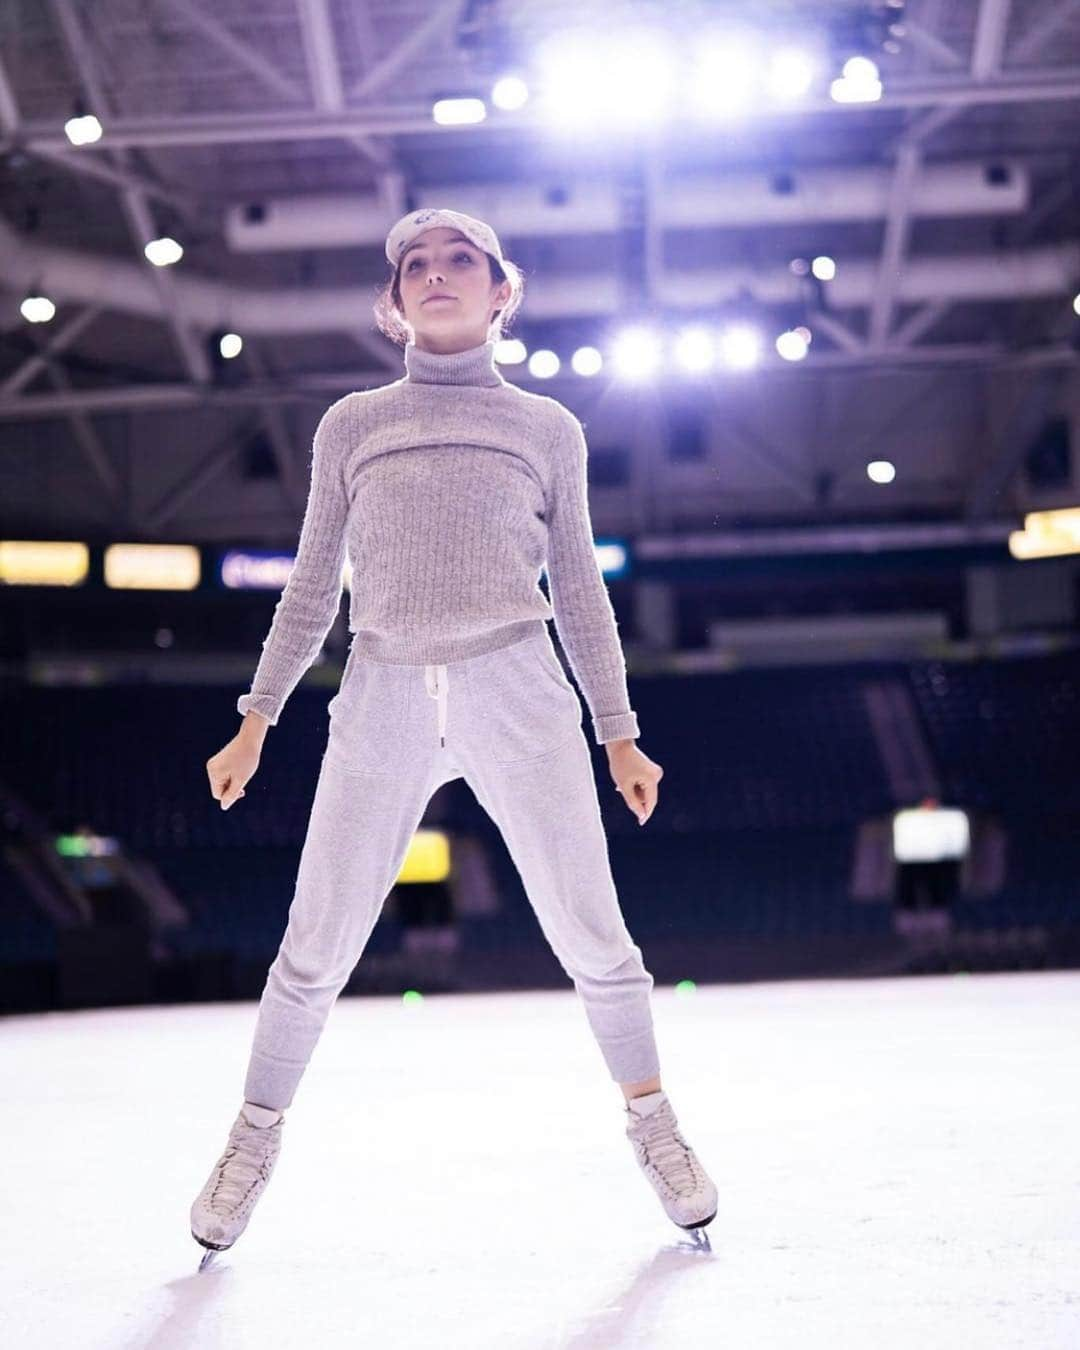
244	1162
667	1151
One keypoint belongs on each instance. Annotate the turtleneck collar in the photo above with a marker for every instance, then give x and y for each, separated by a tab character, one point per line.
475	365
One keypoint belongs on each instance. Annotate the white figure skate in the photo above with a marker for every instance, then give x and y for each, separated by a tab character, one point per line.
224	1205
685	1189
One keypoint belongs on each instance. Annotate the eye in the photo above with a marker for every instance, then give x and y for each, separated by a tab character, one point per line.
460	254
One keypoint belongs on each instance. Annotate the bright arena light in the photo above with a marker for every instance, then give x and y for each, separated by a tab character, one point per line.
858	84
636	353
695	349
510	351
456	112
740	346
1076	303
163	252
880	471
791	73
37	309
510	93
83	130
860	70
725	73
586	361
824	267
626	77
543	364
793	345
231	344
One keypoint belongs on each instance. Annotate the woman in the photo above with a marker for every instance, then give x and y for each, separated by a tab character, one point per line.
450	489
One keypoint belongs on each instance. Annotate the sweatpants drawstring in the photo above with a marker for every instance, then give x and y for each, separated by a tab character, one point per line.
437	687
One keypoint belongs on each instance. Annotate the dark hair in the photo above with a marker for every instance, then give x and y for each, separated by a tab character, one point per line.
390	314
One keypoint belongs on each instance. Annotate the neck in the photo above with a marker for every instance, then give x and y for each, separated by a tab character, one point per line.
474	365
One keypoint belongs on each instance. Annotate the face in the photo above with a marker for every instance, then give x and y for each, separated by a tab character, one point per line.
442	262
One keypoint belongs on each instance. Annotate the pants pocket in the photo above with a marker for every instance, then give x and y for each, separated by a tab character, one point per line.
368	717
529	707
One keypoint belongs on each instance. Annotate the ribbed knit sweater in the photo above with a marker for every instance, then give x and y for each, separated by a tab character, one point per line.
451	489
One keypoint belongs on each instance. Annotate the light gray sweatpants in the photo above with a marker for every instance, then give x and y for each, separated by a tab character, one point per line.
510	723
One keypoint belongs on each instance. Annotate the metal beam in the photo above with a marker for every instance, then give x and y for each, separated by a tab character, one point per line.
433	29
139	217
281	442
324	74
894	244
931	46
88	441
919	323
313	388
22	375
988	45
242	53
1042	30
1058	85
987	52
220	455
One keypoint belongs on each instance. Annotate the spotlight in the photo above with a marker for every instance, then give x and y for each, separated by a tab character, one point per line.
37	309
791	73
793	345
588	77
456	112
858	84
82	129
586	361
510	351
725	74
740	346
510	93
694	349
543	364
636	353
163	252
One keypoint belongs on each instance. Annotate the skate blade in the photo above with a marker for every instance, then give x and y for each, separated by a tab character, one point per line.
210	1252
697	1232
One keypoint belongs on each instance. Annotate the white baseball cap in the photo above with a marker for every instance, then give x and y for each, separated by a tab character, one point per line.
416	222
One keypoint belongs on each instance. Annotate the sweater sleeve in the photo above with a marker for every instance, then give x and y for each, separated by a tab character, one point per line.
580	602
311	596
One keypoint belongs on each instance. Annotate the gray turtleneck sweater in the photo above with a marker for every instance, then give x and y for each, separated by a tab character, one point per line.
450	489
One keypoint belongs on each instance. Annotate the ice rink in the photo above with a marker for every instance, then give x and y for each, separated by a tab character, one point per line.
897	1161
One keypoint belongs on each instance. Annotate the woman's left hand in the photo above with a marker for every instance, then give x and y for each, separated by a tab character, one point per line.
635	776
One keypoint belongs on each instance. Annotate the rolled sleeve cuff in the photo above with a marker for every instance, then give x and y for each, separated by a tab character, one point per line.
616	727
260	703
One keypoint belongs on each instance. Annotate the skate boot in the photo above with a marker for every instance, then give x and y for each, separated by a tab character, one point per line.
671	1165
223	1207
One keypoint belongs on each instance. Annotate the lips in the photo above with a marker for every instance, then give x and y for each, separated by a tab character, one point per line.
439	297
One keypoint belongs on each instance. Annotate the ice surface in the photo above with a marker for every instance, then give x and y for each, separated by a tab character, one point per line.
897	1162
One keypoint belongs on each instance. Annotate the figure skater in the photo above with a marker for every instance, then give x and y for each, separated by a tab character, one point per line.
451	489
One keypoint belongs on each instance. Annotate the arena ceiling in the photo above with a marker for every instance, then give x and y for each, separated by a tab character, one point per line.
278	139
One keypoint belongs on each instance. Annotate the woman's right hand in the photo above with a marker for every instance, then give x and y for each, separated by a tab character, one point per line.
233	765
